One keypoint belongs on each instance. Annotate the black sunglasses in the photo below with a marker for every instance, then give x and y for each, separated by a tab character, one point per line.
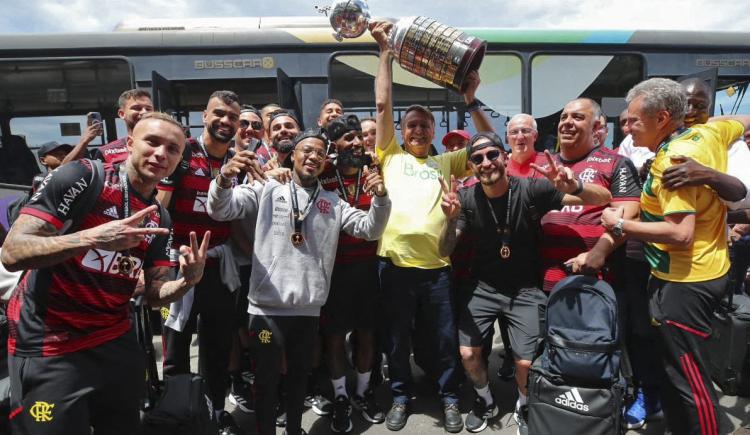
257	125
491	155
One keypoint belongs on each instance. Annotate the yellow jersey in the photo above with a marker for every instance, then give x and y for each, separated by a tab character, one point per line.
413	230
707	144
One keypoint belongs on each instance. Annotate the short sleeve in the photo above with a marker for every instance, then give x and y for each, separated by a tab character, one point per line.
58	195
727	130
389	150
682	200
544	196
625	185
458	160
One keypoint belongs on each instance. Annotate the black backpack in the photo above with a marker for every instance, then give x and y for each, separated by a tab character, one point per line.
582	341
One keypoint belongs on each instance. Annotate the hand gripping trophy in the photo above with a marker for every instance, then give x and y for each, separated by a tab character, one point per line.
439	53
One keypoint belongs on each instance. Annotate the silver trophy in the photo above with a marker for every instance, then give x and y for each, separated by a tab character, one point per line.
439	53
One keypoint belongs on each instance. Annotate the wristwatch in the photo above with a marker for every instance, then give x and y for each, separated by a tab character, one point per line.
474	106
617	229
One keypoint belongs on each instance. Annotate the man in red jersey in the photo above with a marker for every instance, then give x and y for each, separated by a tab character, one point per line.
573	235
131	106
74	360
354	283
521	135
186	192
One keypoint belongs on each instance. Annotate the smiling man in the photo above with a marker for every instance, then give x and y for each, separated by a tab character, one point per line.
186	193
685	232
296	233
74	359
283	127
414	276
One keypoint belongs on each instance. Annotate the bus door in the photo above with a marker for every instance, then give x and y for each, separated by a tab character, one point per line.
290	95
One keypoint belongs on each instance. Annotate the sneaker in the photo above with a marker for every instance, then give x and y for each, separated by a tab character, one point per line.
319	404
521	417
241	397
476	420
342	415
227	426
453	421
635	415
281	415
368	407
397	416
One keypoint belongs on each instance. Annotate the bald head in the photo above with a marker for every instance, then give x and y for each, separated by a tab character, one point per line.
698	101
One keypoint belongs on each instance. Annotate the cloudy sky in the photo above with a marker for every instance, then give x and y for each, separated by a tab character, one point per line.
43	16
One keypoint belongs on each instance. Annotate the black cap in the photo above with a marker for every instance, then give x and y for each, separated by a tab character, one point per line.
342	125
48	147
492	140
315	132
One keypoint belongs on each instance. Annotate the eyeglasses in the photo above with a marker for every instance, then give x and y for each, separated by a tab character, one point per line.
491	155
313	150
257	125
523	131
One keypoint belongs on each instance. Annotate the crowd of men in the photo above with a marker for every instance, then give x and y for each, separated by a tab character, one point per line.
273	242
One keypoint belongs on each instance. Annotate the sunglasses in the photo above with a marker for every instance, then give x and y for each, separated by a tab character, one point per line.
491	155
257	125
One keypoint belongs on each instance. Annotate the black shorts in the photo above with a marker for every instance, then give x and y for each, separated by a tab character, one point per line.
521	312
99	387
353	298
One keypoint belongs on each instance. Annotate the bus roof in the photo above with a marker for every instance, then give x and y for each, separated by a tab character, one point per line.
311	31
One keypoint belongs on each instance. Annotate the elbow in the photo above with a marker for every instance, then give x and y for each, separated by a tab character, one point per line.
381	105
606	197
9	262
684	239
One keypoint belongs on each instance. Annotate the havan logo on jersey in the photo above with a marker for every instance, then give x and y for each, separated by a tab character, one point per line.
105	261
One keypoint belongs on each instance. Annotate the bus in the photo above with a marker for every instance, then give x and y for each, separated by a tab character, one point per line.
48	82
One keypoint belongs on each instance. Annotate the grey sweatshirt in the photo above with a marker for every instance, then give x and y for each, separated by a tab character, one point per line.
286	280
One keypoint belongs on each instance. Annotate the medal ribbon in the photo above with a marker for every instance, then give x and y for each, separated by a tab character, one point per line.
299	218
342	187
505	231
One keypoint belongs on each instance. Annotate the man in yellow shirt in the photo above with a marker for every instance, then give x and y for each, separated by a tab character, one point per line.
414	276
685	231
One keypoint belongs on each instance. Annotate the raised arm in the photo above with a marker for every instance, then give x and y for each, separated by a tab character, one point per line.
576	192
79	151
370	225
478	116
451	206
384	129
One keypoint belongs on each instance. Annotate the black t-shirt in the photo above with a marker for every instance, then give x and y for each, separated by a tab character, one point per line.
530	199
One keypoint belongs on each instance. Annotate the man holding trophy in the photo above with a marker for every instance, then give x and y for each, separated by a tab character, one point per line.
414	276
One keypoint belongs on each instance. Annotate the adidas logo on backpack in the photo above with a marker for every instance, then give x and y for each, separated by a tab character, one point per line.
572	399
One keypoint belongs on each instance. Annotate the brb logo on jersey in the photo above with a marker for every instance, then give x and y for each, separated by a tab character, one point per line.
108	262
199	205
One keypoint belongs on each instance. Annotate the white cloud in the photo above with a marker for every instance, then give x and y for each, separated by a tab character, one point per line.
102	15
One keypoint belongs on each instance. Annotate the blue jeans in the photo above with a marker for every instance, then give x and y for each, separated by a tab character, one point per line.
424	294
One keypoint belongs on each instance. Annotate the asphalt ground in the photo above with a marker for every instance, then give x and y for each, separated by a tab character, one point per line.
426	410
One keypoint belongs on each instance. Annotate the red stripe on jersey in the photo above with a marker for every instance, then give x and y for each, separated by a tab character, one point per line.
52	348
350	249
57	223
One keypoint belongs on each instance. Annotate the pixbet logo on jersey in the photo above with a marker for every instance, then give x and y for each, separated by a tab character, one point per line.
108	262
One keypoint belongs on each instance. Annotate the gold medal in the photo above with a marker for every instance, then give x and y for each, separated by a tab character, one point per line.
505	252
125	265
297	239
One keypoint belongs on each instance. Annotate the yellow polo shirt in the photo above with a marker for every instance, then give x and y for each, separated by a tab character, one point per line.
413	231
707	258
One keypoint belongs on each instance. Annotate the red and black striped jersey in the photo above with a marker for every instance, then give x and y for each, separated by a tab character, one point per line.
83	301
576	228
114	152
350	249
189	188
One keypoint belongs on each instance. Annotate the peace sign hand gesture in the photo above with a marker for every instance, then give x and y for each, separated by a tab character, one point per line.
193	258
451	205
122	234
560	176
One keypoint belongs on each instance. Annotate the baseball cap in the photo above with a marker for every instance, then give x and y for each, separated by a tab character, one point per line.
341	125
463	134
48	147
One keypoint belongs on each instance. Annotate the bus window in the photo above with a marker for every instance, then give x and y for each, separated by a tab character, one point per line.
40	129
730	97
557	79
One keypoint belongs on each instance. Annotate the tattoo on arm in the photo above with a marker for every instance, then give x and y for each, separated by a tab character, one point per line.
33	244
449	238
160	290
